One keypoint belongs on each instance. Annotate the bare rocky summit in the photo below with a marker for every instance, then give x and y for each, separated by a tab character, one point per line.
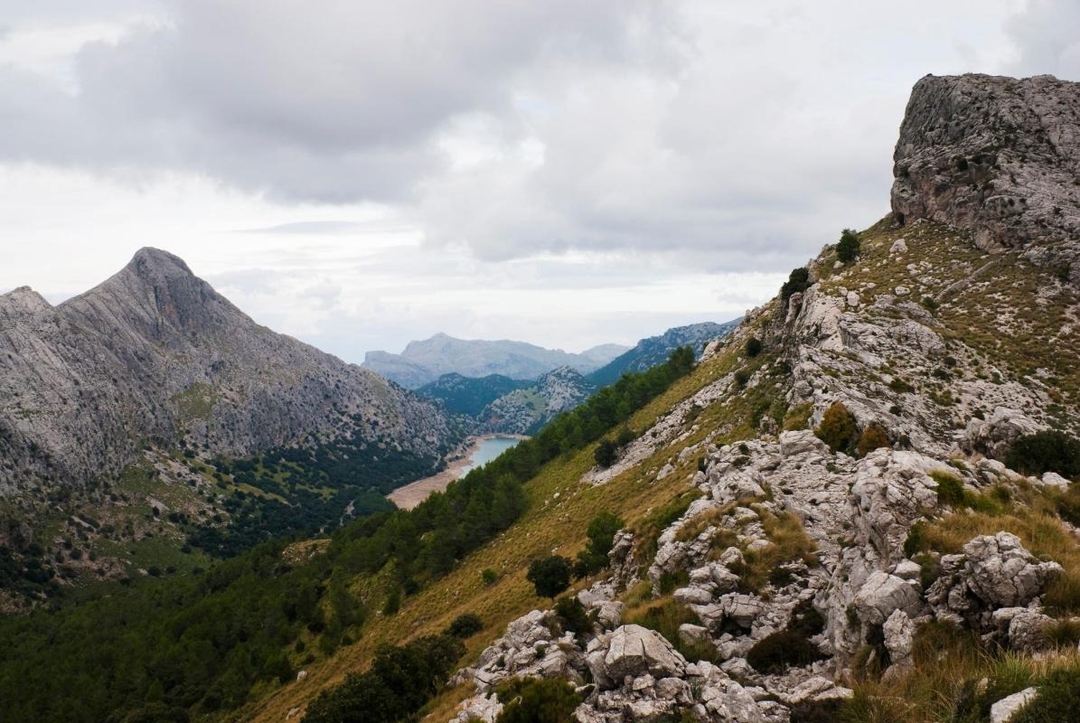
155	356
996	156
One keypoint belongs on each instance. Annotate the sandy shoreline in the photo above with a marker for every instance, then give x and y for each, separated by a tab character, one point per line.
416	492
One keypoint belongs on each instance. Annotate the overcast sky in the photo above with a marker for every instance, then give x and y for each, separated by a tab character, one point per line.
562	172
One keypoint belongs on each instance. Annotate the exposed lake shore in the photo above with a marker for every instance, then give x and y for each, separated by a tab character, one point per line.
416	492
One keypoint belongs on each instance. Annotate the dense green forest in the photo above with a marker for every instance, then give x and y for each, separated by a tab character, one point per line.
467	395
173	649
309	491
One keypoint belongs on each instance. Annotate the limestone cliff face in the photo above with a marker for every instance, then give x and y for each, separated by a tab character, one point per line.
155	355
996	156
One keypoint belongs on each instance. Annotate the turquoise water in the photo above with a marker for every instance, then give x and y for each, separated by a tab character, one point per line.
488	450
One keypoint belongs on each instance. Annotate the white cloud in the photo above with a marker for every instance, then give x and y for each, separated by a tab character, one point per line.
360	174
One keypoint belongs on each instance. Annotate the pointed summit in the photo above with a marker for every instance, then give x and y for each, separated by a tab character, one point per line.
149	261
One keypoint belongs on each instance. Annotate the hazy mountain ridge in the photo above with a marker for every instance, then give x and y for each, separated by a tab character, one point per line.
423	362
469	395
656	349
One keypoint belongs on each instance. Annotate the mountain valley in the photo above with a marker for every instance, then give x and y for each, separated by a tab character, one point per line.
860	504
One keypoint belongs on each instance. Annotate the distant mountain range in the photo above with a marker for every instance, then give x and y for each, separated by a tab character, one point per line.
656	349
497	403
425	361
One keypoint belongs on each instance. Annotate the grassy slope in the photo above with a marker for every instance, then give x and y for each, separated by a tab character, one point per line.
981	300
1019	320
551	525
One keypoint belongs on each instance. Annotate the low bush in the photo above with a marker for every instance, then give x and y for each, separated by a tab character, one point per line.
601	532
536	700
549	576
838	428
798	281
1046	451
777	652
873	437
1057	700
465	626
573	616
753	347
849	246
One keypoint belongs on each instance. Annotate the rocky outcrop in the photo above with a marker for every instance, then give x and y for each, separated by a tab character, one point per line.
524	411
993	572
995	156
155	356
802	565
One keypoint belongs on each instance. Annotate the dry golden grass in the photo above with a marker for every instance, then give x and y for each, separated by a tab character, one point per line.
943	686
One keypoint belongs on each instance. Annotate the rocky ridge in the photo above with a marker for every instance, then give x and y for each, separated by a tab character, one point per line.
858	554
524	411
154	356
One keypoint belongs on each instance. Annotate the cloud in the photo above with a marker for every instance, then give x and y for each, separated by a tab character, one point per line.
1045	33
694	134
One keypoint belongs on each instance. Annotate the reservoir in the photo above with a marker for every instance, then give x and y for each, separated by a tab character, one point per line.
486	450
480	452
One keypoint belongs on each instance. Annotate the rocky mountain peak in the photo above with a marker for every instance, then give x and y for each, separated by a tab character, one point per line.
21	302
996	156
149	260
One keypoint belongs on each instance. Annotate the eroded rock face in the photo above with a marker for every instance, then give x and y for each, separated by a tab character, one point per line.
997	157
634	651
993	155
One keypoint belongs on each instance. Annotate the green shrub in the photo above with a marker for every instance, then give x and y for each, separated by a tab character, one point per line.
549	576
781	650
573	615
601	532
838	428
847	250
798	281
670	581
1058	700
753	347
607	453
465	626
536	700
489	576
1046	451
950	490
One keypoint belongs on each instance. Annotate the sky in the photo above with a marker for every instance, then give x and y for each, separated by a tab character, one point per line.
362	174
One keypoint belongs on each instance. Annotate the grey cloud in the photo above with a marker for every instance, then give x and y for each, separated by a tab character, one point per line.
308	227
1047	34
336	103
709	135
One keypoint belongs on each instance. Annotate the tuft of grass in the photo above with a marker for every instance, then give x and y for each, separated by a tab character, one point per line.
648	530
798	417
665	616
790	543
1063	633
